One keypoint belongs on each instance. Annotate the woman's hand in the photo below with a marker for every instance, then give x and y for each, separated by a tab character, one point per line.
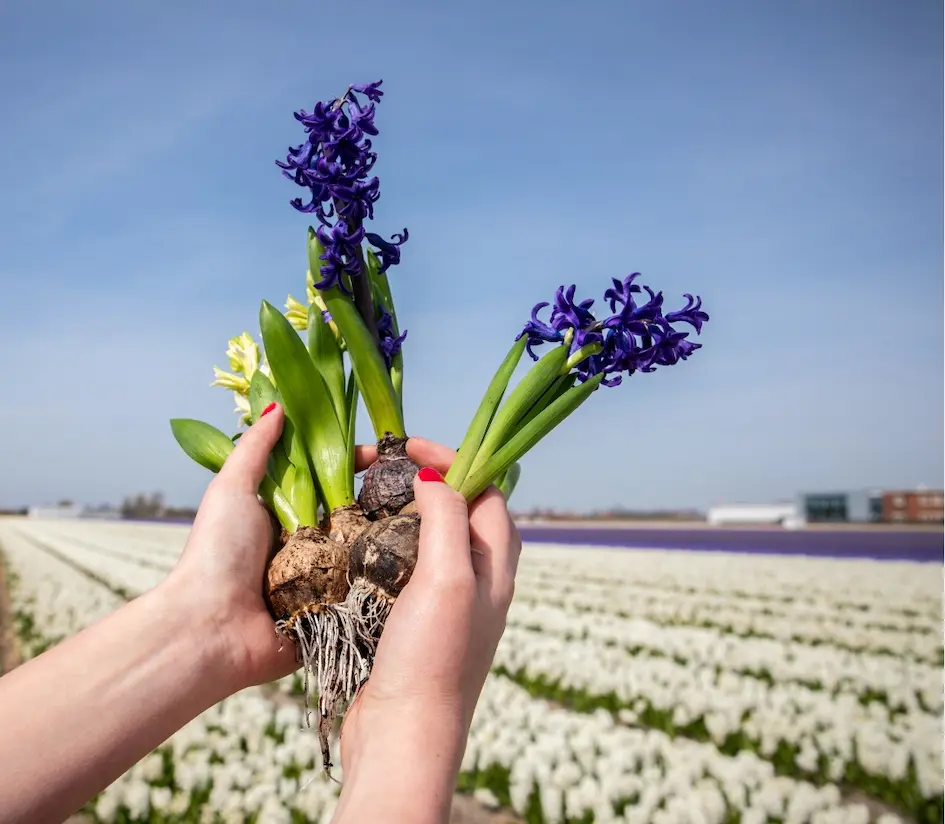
220	577
433	658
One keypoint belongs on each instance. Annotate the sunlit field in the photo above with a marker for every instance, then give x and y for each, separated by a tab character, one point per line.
630	686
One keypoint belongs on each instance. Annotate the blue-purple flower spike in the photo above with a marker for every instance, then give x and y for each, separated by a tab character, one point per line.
637	337
334	164
390	344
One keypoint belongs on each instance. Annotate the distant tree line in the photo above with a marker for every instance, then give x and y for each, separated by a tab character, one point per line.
149	506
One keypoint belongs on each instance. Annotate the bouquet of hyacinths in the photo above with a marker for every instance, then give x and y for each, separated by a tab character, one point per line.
343	562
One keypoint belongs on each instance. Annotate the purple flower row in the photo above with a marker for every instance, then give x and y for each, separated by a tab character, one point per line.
637	337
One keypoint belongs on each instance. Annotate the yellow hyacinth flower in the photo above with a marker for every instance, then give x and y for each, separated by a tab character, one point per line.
242	408
228	380
243	353
314	298
297	314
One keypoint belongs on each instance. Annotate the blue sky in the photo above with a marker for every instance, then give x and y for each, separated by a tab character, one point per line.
783	160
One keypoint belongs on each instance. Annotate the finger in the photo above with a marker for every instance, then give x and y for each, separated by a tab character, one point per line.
246	464
364	456
491	530
429	453
444	527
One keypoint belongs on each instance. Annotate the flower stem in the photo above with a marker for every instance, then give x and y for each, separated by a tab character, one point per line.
385	298
374	380
363	299
484	415
525	438
538	379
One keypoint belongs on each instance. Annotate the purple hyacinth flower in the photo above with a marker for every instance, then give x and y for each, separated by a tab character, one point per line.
538	331
566	315
637	337
334	165
340	255
388	250
390	344
372	91
691	313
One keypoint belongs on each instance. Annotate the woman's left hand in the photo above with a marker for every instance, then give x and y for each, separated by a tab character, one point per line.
220	576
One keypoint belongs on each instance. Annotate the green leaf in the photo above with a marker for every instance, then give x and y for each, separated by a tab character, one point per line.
351	404
261	394
303	495
210	447
523	440
484	415
374	381
528	391
205	444
510	480
384	297
326	355
276	500
290	466
309	406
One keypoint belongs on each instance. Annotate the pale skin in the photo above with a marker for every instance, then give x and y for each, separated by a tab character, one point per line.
136	677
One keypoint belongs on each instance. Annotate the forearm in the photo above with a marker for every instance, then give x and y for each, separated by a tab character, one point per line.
78	716
405	771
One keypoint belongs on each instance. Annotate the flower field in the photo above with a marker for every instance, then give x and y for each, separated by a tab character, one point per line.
630	686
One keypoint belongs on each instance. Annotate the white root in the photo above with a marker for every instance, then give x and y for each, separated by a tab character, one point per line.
370	607
332	647
335	645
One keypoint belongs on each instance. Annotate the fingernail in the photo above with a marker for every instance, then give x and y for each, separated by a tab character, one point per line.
430	474
267	410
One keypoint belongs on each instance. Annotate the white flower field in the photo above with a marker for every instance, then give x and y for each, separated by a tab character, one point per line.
630	686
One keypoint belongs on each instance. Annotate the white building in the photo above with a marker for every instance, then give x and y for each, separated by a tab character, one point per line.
57	511
782	514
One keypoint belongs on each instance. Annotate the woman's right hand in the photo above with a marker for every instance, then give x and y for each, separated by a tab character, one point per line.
404	735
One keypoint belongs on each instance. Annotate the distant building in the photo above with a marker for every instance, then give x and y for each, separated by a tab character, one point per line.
784	514
846	506
914	506
71	510
63	510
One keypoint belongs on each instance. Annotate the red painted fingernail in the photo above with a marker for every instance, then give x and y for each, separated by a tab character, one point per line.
267	410
430	474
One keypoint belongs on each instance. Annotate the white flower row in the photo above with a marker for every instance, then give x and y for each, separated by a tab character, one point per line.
245	757
152	543
873	617
60	599
849	584
670	609
581	763
838	727
127	576
907	684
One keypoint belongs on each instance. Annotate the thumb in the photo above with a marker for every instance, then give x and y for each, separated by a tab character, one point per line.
444	525
246	464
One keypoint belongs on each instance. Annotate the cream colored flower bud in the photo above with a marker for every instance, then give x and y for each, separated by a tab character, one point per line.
230	381
297	314
243	353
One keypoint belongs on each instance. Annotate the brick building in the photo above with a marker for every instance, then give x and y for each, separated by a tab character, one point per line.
914	506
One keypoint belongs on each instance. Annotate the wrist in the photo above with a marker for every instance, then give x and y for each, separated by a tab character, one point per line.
400	762
197	633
